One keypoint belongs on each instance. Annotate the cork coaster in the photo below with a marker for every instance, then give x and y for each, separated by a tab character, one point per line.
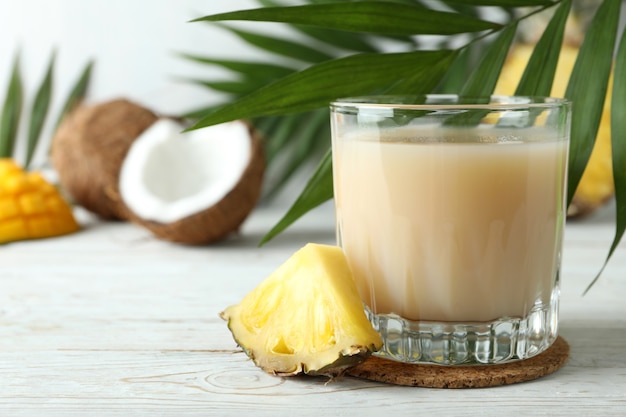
472	376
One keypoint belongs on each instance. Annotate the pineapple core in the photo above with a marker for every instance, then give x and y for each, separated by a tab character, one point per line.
306	317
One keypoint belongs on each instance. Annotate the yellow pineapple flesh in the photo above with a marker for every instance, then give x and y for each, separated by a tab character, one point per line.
30	207
306	317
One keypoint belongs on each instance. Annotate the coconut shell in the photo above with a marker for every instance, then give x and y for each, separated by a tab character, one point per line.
88	150
218	221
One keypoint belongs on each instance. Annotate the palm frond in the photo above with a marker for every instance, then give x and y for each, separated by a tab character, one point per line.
618	145
282	47
317	191
362	67
539	73
317	85
587	88
78	92
364	17
11	111
39	112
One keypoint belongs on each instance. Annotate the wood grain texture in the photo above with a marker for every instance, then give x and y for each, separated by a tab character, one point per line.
111	322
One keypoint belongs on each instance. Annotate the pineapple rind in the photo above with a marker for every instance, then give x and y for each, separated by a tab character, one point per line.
306	317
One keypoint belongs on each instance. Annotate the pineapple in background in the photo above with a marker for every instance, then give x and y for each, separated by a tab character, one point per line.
596	186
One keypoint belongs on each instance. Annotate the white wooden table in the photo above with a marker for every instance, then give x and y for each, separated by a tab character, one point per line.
111	322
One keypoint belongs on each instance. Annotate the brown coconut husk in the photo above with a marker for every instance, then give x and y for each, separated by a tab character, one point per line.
88	150
215	223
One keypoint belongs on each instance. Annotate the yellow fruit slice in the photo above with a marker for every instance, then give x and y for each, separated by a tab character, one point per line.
30	207
306	317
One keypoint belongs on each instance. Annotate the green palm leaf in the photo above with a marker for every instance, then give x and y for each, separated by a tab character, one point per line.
286	48
11	112
238	87
458	72
313	128
336	38
318	190
366	17
257	70
483	79
618	145
317	85
39	112
587	88
539	73
503	3
78	92
279	134
423	82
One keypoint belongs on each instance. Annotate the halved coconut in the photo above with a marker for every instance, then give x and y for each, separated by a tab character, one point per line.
88	149
195	187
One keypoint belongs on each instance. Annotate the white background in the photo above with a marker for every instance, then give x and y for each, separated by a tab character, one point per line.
133	44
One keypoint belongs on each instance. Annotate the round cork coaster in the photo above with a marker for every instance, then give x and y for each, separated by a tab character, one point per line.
471	376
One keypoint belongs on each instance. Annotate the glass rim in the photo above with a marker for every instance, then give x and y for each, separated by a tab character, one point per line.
446	102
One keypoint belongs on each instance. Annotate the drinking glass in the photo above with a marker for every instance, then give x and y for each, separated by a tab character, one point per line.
450	211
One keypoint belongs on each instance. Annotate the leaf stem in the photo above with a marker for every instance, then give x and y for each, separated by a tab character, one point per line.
508	24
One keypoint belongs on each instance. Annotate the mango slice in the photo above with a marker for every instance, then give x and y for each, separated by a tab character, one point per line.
30	207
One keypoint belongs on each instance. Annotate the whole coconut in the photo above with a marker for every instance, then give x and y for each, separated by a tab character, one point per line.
88	150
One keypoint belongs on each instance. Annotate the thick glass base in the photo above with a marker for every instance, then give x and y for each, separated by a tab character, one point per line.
503	340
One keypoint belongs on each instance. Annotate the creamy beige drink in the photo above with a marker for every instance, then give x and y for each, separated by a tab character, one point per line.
455	231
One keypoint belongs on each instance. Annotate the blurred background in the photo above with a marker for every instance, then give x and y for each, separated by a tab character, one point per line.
133	44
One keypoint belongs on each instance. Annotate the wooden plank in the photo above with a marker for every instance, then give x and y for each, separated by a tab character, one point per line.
192	383
111	322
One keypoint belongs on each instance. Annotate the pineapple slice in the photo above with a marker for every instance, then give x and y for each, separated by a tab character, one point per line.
306	317
30	207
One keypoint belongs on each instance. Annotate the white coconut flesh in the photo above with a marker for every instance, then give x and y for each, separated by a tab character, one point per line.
168	175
